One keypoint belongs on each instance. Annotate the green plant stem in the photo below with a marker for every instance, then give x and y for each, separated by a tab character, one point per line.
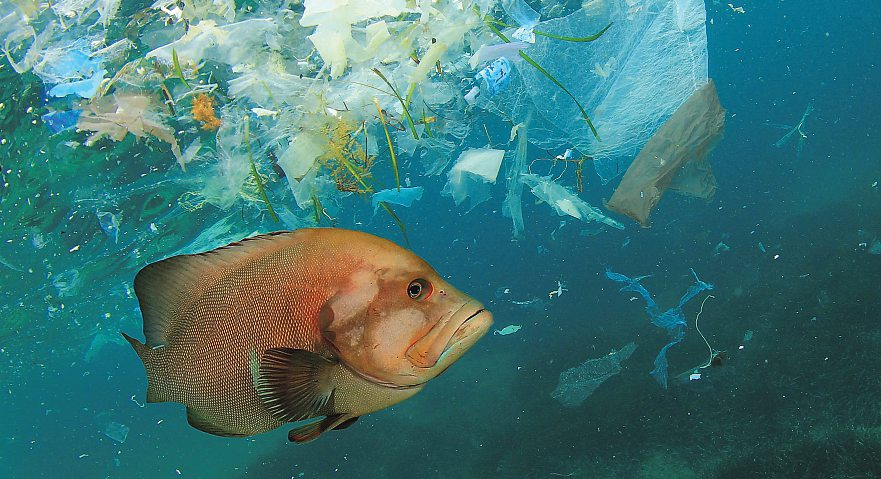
391	147
177	71
401	100
256	175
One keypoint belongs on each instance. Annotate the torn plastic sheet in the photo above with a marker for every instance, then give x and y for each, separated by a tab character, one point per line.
472	175
577	383
333	20
404	196
58	121
564	202
671	320
512	206
661	52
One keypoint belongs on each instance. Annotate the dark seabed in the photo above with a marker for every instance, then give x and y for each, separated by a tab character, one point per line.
791	243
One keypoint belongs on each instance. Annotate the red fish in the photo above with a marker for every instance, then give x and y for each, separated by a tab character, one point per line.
314	323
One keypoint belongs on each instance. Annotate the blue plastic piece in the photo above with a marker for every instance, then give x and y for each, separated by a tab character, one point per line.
58	121
672	320
496	75
403	197
84	74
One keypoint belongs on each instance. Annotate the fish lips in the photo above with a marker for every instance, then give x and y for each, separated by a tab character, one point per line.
450	337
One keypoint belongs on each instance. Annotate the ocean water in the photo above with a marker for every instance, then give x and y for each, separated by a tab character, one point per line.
795	301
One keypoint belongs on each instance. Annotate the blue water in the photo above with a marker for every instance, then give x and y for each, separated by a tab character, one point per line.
798	399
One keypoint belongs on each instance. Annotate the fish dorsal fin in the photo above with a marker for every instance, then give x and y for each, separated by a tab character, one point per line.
295	384
167	289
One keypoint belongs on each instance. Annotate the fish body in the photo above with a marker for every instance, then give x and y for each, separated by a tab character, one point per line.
289	326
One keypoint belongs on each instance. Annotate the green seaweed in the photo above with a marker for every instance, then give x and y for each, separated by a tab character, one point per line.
400	99
398	221
391	147
254	173
177	71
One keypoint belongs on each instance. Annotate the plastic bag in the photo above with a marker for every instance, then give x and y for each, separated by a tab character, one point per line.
661	52
675	157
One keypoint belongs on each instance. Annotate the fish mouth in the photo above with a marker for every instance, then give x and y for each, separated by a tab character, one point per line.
451	337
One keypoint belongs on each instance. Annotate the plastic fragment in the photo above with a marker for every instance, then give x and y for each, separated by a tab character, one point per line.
576	384
509	329
564	202
58	121
403	196
675	158
117	431
472	175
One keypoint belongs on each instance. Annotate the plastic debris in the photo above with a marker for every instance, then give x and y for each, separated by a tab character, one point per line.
403	197
665	47
109	223
511	206
561	287
117	431
496	76
577	383
492	52
472	175
675	157
671	320
875	247
120	115
802	136
58	121
510	329
564	202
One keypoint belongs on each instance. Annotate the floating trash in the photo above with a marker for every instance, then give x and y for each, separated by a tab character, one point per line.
116	431
510	329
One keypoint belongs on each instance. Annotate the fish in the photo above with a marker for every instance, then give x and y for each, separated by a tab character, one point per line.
319	324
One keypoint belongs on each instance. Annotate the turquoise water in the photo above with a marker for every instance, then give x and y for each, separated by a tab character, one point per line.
795	307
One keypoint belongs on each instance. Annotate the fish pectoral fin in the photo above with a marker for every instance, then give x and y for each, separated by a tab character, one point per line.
200	422
295	384
311	431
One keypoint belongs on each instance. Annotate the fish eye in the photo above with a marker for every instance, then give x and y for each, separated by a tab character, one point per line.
419	289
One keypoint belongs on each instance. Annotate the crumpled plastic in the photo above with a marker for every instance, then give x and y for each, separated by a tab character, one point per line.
564	202
671	320
577	383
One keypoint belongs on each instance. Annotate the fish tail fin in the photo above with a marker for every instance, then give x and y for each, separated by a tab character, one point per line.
148	357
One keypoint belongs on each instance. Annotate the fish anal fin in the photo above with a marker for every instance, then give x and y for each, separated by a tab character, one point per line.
310	432
200	422
345	424
295	384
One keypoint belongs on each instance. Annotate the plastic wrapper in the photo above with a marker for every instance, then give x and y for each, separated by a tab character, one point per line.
674	158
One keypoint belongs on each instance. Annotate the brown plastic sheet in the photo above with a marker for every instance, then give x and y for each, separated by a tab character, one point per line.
675	158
